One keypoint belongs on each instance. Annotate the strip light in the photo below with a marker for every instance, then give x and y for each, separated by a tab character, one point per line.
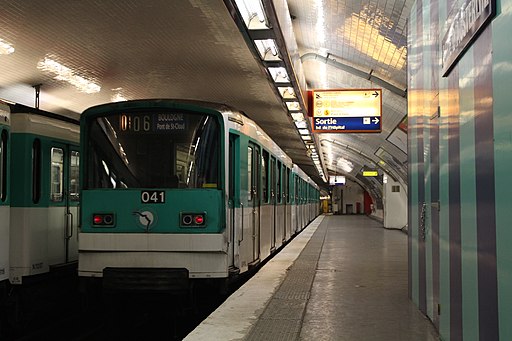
297	116
253	14
5	47
254	17
301	124
279	74
66	74
295	106
286	92
267	49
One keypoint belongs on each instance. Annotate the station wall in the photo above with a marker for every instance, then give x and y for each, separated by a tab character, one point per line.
348	199
459	186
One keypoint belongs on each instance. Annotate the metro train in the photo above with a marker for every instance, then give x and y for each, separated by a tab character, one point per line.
178	191
39	188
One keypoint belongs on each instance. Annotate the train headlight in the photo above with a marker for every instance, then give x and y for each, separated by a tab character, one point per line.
186	219
190	219
103	220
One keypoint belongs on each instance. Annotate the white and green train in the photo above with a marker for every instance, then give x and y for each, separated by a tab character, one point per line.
177	190
42	189
39	188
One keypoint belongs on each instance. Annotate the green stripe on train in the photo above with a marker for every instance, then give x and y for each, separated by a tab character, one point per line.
128	209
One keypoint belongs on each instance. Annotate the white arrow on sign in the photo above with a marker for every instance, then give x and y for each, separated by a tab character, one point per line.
375	120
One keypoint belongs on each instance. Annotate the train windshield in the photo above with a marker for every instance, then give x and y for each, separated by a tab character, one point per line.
171	149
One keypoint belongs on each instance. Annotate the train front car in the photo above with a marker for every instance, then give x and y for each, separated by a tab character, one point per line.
153	200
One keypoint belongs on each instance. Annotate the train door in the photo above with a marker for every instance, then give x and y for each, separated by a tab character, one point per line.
281	202
286	202
64	196
273	201
297	203
254	187
233	201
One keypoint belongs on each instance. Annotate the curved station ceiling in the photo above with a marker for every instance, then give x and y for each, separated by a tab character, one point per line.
259	57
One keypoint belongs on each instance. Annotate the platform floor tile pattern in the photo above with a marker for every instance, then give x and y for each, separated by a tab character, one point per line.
349	283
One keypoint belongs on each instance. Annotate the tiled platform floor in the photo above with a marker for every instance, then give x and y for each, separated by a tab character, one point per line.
343	278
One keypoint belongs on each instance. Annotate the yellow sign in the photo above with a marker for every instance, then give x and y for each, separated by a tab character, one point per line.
347	110
370	173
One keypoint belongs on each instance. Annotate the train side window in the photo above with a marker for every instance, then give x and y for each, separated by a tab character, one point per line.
249	173
57	174
301	190
272	176
231	176
74	176
297	189
264	176
279	193
36	171
3	166
290	186
286	185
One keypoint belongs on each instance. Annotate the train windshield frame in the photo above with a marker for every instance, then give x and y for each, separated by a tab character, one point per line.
156	148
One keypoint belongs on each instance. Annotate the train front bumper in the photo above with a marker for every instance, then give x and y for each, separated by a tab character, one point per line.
203	255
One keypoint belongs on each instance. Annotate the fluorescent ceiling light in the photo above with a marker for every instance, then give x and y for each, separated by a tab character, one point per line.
306	137
279	74
286	92
293	105
5	47
253	14
345	165
301	125
64	73
297	116
304	131
118	95
117	98
267	49
320	22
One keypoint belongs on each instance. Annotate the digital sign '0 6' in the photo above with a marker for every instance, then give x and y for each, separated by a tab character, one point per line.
347	111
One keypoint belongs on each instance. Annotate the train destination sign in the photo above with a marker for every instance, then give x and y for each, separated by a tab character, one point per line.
152	122
347	111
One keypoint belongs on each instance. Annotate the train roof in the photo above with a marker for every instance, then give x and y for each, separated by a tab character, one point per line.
154	102
303	174
16	108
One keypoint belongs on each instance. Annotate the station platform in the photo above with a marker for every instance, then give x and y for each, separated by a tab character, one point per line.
342	278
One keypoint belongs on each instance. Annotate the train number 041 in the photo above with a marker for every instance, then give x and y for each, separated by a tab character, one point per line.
152	197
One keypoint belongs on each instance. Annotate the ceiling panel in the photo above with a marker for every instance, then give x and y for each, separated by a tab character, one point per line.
193	49
368	37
